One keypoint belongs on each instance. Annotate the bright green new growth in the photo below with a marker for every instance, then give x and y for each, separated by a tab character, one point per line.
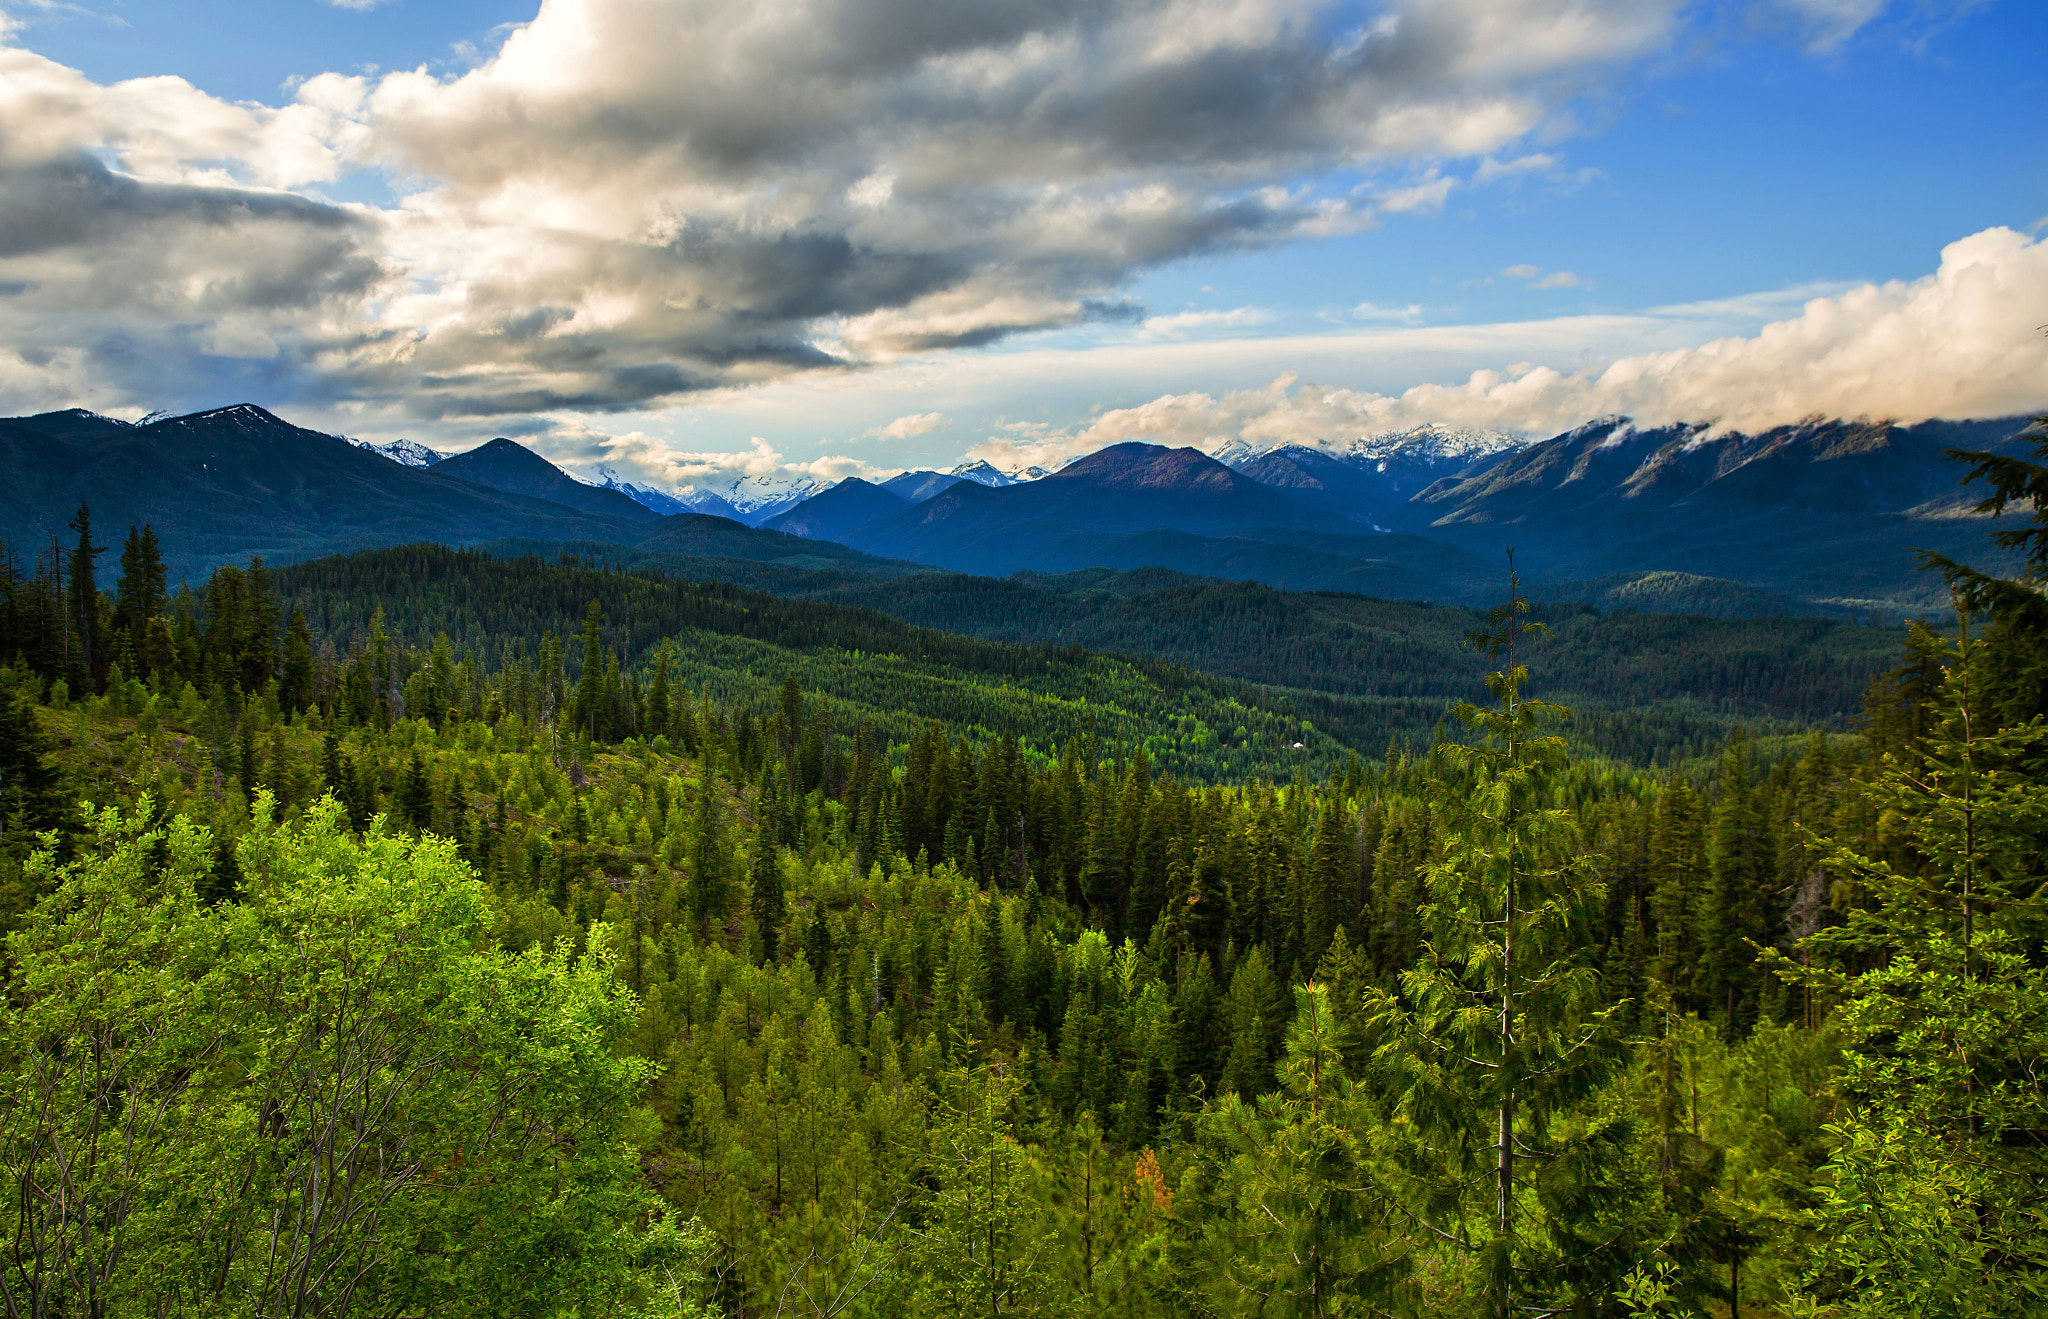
1932	1208
334	1096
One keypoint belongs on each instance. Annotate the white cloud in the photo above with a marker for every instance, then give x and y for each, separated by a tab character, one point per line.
1426	197
1960	343
610	213
1491	169
1367	311
1522	272
1181	323
1828	23
919	423
1559	279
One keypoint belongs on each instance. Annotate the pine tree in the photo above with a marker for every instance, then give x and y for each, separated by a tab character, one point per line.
1302	1225
587	715
1941	1181
85	598
416	795
1497	1032
295	676
765	903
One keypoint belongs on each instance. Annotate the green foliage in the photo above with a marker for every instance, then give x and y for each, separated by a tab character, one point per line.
921	974
330	1098
1945	1011
1497	1032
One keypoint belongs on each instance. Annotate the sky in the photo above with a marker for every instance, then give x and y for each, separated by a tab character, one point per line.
691	240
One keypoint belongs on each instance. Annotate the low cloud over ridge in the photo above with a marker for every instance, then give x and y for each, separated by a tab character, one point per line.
1963	342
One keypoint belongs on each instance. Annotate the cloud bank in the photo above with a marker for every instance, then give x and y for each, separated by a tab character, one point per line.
1960	343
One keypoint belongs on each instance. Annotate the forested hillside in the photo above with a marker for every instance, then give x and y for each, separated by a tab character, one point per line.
448	934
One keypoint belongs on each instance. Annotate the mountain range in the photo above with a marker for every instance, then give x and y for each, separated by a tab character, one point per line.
222	485
1823	516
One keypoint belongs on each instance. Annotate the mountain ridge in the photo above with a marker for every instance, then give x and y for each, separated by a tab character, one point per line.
224	484
513	468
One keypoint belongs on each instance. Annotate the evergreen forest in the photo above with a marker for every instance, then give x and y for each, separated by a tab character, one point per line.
438	932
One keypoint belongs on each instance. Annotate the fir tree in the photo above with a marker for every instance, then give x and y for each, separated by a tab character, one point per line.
141	596
1497	1032
295	676
85	597
765	903
416	795
1939	1194
589	707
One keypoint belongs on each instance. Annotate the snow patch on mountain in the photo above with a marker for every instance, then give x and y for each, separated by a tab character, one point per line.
1437	441
406	453
983	472
661	501
751	499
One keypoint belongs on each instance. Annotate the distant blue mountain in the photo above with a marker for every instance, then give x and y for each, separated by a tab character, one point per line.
833	513
516	469
222	485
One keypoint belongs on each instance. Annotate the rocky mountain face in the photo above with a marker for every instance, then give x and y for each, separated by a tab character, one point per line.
920	486
1124	490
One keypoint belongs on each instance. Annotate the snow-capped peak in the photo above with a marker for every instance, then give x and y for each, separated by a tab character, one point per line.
1235	452
1437	440
751	493
406	453
982	472
661	501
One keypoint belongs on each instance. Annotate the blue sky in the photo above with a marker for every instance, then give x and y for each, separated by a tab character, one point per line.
495	255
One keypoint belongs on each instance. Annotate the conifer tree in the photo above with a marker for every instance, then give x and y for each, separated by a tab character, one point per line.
31	797
140	594
1942	1179
765	902
1737	914
1331	881
1498	1031
658	711
1304	1229
295	674
416	795
708	887
85	596
985	1250
1677	865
